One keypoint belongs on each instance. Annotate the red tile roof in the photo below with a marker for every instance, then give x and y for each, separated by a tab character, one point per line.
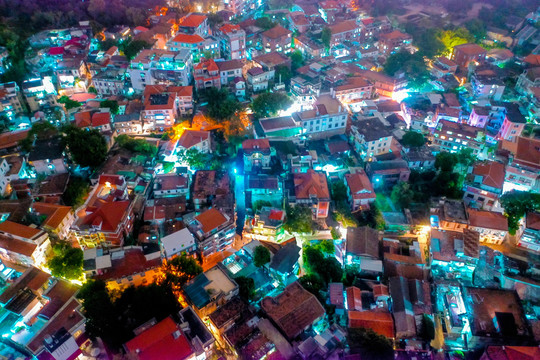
55	213
251	145
533	221
354	298
229	28
17	246
117	180
311	184
163	341
528	151
101	118
209	65
109	215
154	213
276	32
470	49
133	262
492	173
83	119
360	186
343	26
188	39
11	139
192	20
20	230
380	322
396	34
191	138
513	352
210	220
487	219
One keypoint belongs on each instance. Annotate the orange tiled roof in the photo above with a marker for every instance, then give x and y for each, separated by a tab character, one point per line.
380	322
109	215
20	230
55	213
17	246
360	185
276	32
311	184
188	39
528	151
210	220
492	173
192	20
487	219
343	26
192	137
470	49
229	28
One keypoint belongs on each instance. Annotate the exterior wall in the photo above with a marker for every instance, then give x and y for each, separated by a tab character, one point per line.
108	87
47	167
229	75
510	131
128	128
139	279
490	236
482	198
256	160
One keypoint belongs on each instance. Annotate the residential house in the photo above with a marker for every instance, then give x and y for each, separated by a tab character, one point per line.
360	192
195	139
452	137
262	187
211	189
210	290
196	331
299	23
194	24
442	66
293	311
326	119
421	158
266	225
308	47
392	42
176	243
513	124
450	249
387	173
484	184
128	124
164	339
50	189
206	75
511	353
154	66
343	31
486	82
170	185
277	39
233	41
335	296
10	99
47	156
384	85
23	244
523	171
58	218
528	80
409	298
192	42
229	70
99	120
371	138
311	189
110	81
530	236
464	54
381	322
214	231
257	154
353	90
362	248
449	215
163	105
492	226
258	79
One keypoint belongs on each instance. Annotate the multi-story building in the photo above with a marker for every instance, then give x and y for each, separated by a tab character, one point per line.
359	190
371	138
327	118
213	230
71	75
194	24
277	39
129	124
110	82
10	99
257	154
392	42
353	90
385	174
47	156
154	66
452	137
163	105
442	66
384	85
308	47
523	170
266	225
39	92
232	41
206	75
194	43
195	139
170	185
58	218
530	236
484	184
487	83
528	80
464	54
343	31
229	70
23	244
311	189
492	226
513	124
258	79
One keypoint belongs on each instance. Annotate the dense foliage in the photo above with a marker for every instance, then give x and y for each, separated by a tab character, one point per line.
412	65
371	345
140	146
221	105
413	139
76	191
66	262
87	147
261	256
516	204
246	287
180	270
269	104
315	262
299	219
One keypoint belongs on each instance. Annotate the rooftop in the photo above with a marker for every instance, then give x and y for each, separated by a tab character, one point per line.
492	173
373	129
192	20
488	219
209	285
210	220
311	184
363	241
470	49
276	32
191	138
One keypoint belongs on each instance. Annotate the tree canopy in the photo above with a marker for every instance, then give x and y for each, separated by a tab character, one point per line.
412	65
371	345
112	105
264	23
221	105
299	219
516	204
67	262
140	146
68	103
180	270
261	256
86	146
413	139
246	287
402	194
328	268
269	104
76	190
326	37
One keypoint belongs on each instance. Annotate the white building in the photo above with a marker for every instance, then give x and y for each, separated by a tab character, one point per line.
179	242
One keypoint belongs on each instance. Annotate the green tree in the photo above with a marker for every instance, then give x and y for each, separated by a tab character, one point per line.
68	103
264	23
246	287
269	104
280	4
327	247
214	20
413	139
88	148
342	214
112	105
314	284
299	219
297	59
339	191
283	74
76	191
466	158
259	204
452	38
67	262
107	44
326	37
221	105
140	146
516	204
446	161
427	329
412	65
335	233
476	28
180	270
261	256
196	159
402	194
92	90
133	47
370	344
328	268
